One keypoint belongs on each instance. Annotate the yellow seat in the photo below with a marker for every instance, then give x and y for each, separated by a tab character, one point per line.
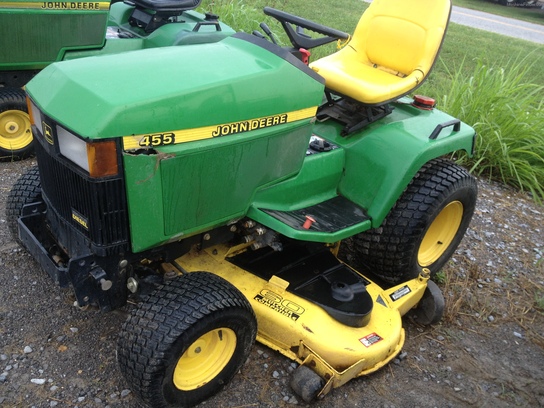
392	50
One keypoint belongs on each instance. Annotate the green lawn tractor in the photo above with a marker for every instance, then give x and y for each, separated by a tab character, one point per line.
35	34
214	183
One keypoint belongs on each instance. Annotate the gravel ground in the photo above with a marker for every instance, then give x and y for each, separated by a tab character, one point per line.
487	352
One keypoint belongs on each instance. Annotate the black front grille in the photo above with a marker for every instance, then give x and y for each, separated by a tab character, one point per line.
96	208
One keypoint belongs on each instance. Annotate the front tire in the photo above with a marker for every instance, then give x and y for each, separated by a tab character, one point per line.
15	128
424	227
27	189
187	340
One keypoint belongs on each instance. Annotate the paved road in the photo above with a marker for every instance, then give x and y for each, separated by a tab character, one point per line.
496	24
500	25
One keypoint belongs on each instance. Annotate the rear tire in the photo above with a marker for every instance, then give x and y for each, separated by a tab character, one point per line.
187	340
26	190
15	128
424	227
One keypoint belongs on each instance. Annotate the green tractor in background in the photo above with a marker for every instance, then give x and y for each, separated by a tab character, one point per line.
214	183
34	34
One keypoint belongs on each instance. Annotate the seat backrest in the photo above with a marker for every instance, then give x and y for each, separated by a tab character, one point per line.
402	35
167	5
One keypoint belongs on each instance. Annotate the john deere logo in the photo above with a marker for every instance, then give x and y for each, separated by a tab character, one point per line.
48	133
247	125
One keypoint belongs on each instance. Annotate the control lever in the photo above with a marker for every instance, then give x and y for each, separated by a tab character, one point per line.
268	32
258	34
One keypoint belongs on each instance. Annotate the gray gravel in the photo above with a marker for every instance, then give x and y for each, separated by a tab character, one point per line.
487	352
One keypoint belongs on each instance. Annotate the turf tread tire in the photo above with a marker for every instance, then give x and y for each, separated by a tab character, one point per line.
14	99
26	190
151	333
390	251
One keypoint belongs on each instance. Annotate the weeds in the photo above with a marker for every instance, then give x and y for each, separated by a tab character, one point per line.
507	112
467	294
539	301
457	290
440	277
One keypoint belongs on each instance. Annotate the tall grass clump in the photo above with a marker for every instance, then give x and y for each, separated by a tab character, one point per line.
507	111
237	14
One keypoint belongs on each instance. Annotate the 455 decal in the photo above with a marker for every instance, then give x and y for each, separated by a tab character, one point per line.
281	305
159	139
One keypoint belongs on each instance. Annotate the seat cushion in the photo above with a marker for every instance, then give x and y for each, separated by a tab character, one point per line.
348	75
392	50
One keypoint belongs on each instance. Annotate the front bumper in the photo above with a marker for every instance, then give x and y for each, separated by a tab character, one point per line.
86	272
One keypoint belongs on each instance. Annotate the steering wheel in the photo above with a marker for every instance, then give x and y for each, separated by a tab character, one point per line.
297	36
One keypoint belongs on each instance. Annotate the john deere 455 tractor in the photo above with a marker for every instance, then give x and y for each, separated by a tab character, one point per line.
34	34
213	183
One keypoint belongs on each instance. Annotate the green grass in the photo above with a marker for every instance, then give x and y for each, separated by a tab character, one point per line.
492	82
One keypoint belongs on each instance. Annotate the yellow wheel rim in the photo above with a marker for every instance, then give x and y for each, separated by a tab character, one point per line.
15	130
440	234
204	359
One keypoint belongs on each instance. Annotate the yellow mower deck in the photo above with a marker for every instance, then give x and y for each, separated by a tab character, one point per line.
304	331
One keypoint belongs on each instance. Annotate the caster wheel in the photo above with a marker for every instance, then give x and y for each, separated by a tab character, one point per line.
431	306
306	383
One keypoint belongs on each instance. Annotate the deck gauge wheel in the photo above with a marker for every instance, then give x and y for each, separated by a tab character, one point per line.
306	383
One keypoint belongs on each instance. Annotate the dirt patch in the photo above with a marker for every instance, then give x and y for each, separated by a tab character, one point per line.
487	351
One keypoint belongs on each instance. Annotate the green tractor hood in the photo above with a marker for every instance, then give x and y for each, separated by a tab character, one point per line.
175	88
203	127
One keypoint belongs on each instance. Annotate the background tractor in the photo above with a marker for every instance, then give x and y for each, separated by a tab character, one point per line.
214	183
35	34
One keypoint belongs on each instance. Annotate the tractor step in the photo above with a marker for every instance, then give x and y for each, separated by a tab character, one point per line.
331	215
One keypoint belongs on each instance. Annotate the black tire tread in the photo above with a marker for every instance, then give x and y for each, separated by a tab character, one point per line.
14	98
384	250
169	311
26	190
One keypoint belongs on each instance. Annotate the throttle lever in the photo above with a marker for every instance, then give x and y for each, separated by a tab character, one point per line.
268	32
258	34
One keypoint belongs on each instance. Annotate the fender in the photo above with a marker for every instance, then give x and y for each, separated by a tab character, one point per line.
382	159
371	168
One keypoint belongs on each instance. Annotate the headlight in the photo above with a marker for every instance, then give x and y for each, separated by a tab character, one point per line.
99	159
34	113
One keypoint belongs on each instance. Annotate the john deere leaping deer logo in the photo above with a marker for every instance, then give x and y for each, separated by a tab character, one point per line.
48	133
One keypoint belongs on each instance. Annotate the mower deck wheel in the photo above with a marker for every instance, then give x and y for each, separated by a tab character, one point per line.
306	383
431	306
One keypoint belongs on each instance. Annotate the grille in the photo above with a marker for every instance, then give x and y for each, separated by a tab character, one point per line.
100	204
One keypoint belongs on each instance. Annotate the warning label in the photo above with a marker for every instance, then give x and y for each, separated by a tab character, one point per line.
370	339
401	292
